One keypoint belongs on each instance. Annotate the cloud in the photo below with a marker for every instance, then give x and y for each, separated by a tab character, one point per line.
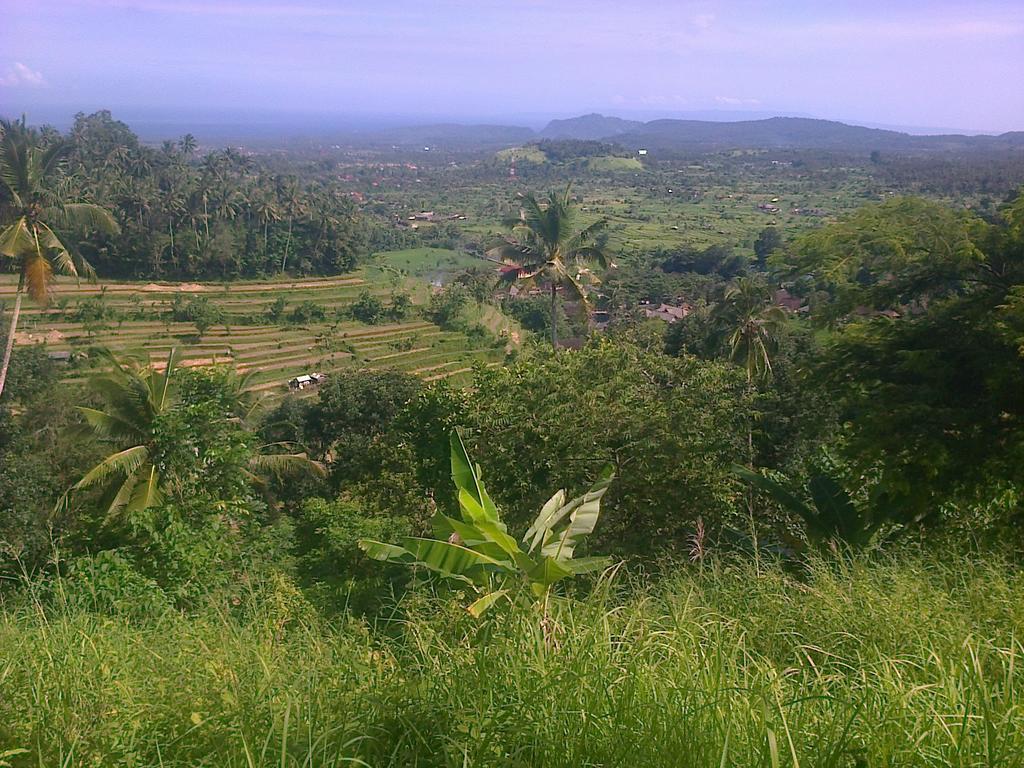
734	101
19	75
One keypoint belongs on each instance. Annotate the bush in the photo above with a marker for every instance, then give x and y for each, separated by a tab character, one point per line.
367	309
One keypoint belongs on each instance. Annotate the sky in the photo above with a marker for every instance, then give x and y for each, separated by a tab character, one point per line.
937	64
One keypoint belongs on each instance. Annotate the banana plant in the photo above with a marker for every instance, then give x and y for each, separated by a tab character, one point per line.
830	515
477	550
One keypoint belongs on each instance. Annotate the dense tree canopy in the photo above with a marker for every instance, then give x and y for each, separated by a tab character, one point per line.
220	215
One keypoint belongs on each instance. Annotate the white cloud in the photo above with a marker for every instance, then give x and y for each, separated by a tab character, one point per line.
20	75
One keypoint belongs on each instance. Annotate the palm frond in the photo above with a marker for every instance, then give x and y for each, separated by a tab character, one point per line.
147	492
38	274
109	425
84	216
285	464
16	239
121	463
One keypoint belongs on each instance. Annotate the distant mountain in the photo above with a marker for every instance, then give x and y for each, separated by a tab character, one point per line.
590	127
674	135
796	133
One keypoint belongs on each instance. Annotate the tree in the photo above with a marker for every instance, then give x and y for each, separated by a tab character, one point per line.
32	213
367	308
478	551
671	427
923	359
768	241
752	321
135	398
178	434
546	249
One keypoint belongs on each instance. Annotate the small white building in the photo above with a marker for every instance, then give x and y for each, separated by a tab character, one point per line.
306	381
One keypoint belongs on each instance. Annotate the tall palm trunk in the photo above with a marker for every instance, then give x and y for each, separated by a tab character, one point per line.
287	245
554	317
750	465
9	347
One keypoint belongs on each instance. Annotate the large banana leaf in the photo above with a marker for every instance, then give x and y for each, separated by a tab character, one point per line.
548	571
449	560
378	550
467	478
470	535
536	533
479	607
583	512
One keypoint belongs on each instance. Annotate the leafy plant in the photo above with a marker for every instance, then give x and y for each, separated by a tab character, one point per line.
478	551
829	512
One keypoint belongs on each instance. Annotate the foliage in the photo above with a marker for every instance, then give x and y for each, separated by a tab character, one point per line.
367	309
921	365
446	306
479	551
670	427
198	310
36	218
544	248
876	655
768	241
831	515
222	214
714	260
752	321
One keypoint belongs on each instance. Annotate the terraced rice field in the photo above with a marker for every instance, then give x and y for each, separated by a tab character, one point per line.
137	322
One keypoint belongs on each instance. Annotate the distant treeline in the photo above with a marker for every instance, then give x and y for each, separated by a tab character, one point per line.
223	214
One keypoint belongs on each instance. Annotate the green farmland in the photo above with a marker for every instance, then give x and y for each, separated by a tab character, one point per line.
136	319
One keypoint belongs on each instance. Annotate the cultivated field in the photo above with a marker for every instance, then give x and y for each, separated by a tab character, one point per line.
136	319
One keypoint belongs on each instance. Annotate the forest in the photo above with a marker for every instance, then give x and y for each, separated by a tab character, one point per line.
785	528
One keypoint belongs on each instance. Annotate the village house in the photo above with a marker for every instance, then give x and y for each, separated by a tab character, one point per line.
669	313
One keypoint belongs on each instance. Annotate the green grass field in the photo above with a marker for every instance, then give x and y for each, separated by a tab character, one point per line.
137	323
903	662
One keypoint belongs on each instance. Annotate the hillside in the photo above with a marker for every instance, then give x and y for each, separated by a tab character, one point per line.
589	127
699	135
797	133
309	330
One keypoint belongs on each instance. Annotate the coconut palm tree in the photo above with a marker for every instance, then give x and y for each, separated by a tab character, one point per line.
32	213
550	252
135	396
751	318
753	321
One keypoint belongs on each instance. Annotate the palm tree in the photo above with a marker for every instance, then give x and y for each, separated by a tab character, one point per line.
752	320
544	248
266	212
135	397
31	214
290	196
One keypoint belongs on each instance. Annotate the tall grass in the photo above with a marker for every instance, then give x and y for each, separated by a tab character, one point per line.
849	664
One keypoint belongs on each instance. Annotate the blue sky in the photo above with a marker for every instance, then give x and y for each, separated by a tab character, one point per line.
941	64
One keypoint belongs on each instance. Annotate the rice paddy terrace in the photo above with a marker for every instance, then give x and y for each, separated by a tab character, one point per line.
135	319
